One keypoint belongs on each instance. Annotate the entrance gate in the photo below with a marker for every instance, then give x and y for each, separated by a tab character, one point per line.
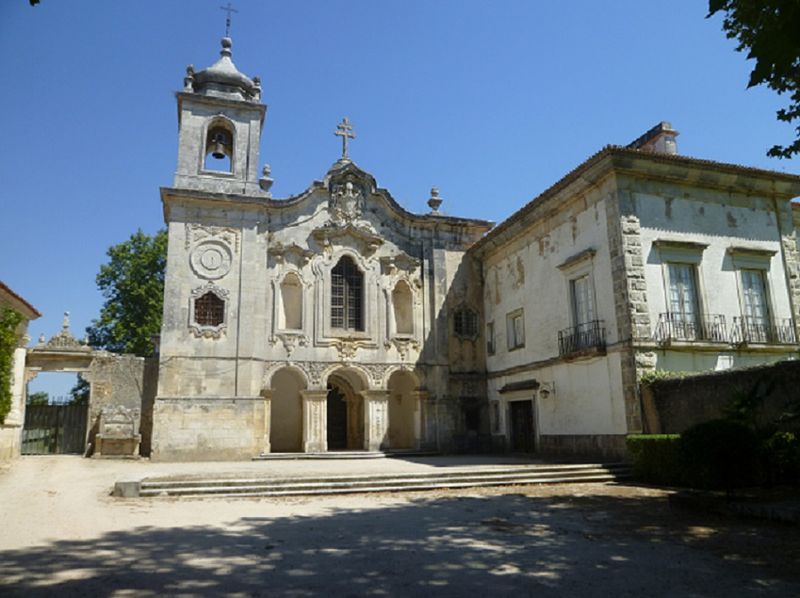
54	429
522	439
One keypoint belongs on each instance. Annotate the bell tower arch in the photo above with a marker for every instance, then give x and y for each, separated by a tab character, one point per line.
220	118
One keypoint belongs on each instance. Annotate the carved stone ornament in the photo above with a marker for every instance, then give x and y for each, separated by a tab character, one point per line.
377	371
404	346
63	340
200	232
203	330
390	264
291	340
291	253
211	259
346	203
359	238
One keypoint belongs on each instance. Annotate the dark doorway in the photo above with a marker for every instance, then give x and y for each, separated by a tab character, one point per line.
55	429
522	439
337	419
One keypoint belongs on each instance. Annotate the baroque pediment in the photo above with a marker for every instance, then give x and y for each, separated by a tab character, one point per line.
292	253
362	239
401	261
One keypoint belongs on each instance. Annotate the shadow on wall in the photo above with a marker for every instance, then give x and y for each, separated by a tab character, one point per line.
504	544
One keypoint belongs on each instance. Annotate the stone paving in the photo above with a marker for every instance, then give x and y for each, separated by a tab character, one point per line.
62	534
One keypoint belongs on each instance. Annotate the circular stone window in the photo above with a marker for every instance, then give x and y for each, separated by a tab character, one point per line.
211	260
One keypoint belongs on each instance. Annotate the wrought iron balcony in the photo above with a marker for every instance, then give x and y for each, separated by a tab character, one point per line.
590	336
709	328
748	331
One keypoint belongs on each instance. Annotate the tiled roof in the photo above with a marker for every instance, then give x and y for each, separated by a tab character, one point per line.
33	312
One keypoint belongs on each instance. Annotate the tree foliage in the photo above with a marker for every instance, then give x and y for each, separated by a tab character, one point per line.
9	321
769	31
132	283
39	398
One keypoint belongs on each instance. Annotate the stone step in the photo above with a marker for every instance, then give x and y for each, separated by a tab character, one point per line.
484	472
395	483
400	453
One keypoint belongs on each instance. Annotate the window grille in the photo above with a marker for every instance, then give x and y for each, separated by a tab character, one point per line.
465	323
347	283
209	310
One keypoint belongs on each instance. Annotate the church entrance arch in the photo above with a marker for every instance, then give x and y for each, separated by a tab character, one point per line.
286	411
403	409
345	410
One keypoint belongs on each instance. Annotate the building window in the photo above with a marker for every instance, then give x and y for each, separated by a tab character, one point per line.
683	303
582	300
515	324
403	304
465	323
347	288
490	343
754	305
292	302
209	310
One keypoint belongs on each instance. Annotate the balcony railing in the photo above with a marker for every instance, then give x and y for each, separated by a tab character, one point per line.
581	338
748	330
709	328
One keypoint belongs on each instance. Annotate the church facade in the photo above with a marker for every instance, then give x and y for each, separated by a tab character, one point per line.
337	320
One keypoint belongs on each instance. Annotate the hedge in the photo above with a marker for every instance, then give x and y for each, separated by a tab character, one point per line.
656	458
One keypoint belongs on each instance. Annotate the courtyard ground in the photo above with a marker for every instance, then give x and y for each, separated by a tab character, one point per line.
62	534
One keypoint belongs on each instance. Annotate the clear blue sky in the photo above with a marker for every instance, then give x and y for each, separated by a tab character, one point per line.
491	101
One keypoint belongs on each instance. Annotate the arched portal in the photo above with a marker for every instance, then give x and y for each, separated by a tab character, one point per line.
403	410
286	417
345	410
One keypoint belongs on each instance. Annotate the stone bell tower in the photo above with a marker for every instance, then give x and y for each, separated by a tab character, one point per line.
220	117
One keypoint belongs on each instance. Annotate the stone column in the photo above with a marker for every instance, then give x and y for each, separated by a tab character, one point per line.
419	397
315	421
265	443
16	414
376	419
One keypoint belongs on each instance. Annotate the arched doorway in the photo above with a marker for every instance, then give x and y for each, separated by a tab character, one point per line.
402	410
286	417
345	410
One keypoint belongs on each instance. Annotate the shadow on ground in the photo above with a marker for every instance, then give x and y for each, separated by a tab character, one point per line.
457	546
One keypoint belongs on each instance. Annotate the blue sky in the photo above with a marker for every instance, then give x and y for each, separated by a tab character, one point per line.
491	101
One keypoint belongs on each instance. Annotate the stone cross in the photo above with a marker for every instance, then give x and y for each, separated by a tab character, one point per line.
345	130
229	9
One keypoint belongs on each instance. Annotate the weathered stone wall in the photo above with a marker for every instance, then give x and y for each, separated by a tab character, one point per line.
670	406
217	429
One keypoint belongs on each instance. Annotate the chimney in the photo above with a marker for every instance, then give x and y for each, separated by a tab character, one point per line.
658	140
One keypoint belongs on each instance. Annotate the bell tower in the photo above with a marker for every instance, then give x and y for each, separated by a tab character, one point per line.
220	118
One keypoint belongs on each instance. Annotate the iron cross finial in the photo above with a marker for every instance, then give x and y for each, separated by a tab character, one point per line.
345	130
229	9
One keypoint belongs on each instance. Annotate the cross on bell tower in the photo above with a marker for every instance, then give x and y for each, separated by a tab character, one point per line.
228	9
345	130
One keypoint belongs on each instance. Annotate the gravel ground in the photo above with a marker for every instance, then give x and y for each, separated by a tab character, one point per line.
62	534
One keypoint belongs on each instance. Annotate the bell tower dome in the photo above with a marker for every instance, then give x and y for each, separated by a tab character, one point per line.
220	118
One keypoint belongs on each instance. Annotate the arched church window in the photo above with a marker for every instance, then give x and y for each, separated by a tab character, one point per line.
209	310
292	300
347	284
465	323
402	302
219	149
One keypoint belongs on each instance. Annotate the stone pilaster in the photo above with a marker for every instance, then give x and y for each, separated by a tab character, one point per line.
791	263
630	296
376	419
420	398
267	395
315	421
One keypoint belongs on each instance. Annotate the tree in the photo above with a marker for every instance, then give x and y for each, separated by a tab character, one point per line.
38	398
132	283
768	31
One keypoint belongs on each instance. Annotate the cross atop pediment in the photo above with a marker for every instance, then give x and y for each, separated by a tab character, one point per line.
345	130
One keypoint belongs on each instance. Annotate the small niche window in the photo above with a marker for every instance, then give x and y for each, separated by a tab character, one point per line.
490	343
347	284
403	302
209	310
292	300
465	323
219	149
515	329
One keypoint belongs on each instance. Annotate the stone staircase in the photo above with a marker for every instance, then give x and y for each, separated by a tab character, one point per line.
397	453
399	482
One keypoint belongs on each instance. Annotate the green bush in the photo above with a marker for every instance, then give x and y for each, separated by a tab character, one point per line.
655	458
780	456
719	454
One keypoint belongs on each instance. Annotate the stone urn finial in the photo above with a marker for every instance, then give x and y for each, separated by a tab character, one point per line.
435	201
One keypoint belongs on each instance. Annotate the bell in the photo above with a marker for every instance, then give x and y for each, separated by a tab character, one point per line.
219	146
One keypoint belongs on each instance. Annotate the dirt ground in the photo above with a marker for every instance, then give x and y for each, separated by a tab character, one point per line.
62	534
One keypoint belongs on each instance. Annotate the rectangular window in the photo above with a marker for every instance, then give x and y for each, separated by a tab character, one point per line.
490	347
515	324
754	303
683	300
582	301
